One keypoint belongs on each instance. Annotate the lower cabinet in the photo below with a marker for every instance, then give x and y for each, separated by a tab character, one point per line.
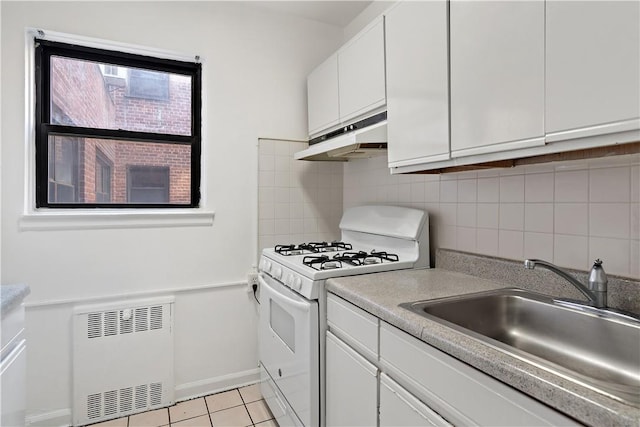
407	382
399	408
351	386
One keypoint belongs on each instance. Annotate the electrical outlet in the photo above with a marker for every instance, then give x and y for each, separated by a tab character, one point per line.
252	279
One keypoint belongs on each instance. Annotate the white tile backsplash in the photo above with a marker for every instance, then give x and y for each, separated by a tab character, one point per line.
538	187
571	218
572	186
466	239
634	234
510	244
467	190
512	216
571	251
449	191
512	189
635	184
609	220
297	200
488	215
538	245
467	215
487	241
488	190
613	252
634	258
610	184
538	217
563	212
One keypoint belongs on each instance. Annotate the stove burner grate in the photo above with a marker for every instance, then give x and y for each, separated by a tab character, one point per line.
324	262
311	248
321	262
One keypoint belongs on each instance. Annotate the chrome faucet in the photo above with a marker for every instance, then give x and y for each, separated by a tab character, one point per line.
595	291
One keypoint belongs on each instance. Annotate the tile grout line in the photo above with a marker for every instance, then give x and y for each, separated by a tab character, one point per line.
206	405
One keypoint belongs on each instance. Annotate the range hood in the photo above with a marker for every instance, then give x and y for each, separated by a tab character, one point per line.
362	143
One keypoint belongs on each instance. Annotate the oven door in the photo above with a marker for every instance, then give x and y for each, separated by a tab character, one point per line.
288	346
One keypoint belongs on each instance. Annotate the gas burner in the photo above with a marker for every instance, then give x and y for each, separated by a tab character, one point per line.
321	262
330	247
364	258
301	249
383	255
353	258
311	248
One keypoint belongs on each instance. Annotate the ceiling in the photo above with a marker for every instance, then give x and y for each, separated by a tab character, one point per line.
338	13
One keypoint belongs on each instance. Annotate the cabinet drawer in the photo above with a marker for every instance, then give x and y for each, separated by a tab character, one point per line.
460	393
353	325
400	408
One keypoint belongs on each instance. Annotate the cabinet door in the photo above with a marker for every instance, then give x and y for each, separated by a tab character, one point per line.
399	408
361	73
593	66
417	82
351	386
322	96
497	75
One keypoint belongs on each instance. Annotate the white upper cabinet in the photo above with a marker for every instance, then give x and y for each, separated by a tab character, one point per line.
497	75
417	82
322	95
350	83
592	68
361	72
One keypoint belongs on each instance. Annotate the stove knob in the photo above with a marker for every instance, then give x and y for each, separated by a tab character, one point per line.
277	273
267	266
297	283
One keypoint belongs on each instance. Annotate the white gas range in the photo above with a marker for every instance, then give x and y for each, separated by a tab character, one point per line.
292	300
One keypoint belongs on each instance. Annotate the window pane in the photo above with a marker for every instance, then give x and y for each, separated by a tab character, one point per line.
110	171
148	184
100	95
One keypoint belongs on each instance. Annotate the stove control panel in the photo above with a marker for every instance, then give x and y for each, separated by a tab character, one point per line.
291	279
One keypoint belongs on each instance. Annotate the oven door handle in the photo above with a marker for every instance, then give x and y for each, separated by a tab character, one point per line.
285	299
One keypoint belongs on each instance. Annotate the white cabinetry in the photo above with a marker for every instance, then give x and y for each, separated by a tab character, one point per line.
351	379
351	386
400	408
497	75
461	394
377	374
350	84
322	95
592	68
417	82
361	72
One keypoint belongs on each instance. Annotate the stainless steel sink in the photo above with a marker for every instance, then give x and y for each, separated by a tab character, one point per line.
597	348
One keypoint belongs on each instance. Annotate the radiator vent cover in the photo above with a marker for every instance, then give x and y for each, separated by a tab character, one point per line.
122	359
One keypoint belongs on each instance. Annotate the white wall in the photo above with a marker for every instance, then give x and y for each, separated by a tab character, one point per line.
255	65
569	213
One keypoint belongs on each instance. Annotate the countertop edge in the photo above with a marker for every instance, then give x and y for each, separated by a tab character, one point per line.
12	296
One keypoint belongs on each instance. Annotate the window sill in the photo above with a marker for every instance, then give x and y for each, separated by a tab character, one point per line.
110	219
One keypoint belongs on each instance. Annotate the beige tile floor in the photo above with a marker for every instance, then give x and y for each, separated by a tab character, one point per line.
240	407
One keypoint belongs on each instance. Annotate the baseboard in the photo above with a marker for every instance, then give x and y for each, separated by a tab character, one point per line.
207	386
60	417
186	391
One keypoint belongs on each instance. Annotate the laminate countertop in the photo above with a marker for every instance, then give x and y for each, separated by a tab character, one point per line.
380	294
11	296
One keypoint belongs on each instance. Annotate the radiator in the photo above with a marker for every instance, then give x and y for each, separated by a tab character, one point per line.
122	359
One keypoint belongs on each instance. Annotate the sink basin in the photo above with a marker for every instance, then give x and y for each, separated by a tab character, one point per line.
595	348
